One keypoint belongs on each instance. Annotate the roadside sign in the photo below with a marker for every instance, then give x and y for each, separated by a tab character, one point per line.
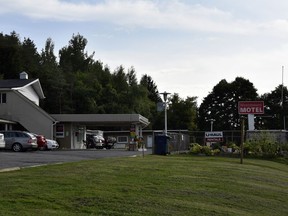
214	136
250	107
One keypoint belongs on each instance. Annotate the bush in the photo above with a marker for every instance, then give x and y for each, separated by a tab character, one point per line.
264	146
206	150
195	148
234	147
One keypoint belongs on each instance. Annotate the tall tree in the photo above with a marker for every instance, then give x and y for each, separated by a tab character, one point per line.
30	58
52	80
10	55
74	59
221	105
276	109
182	113
150	85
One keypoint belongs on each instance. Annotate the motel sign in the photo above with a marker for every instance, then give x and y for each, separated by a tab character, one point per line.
250	107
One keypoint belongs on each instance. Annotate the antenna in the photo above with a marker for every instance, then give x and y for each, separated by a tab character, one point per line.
282	99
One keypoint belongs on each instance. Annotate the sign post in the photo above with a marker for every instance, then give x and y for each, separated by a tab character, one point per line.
242	139
249	108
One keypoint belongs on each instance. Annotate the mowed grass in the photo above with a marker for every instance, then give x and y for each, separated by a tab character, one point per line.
153	185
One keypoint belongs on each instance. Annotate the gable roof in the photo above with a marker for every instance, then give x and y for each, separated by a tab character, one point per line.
16	84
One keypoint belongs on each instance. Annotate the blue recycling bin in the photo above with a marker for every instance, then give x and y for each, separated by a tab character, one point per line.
161	145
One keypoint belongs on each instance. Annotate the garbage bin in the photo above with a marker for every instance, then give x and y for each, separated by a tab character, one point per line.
132	146
161	145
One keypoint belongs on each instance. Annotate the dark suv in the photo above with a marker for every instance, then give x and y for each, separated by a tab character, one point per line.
19	140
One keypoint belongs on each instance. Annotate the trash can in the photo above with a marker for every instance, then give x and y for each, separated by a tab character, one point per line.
132	146
161	145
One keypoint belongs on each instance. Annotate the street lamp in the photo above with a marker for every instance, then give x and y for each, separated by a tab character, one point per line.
165	94
211	124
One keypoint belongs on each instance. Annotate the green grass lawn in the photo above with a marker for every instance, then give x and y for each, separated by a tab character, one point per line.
153	185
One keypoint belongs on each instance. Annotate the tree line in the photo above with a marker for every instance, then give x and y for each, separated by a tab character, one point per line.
74	83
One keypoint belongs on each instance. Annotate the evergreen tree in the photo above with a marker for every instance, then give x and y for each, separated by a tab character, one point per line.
10	56
276	109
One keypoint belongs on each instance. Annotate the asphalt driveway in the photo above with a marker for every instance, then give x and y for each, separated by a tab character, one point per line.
16	160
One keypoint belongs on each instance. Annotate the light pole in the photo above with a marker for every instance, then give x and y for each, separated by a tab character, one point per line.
165	94
211	124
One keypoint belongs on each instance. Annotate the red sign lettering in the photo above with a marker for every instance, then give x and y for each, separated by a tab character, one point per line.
250	107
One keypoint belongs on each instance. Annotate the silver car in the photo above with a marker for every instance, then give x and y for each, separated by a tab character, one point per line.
19	140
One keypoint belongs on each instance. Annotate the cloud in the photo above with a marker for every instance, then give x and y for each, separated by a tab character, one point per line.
174	14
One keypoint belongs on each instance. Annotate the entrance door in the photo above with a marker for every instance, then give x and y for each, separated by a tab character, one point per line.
149	141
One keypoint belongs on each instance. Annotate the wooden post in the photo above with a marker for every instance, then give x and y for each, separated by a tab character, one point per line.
242	139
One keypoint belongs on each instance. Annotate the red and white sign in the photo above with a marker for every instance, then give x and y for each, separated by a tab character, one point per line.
214	136
250	107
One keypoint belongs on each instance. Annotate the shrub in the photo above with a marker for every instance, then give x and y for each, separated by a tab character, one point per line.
195	148
265	145
215	151
234	147
206	150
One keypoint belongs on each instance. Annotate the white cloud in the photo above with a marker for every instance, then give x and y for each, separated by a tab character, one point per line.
172	14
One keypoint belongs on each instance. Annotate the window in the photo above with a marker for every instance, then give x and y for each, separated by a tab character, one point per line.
60	131
122	139
3	98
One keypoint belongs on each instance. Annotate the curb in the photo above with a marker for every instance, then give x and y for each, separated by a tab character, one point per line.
9	169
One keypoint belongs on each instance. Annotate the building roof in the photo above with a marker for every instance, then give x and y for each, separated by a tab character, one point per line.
103	119
16	84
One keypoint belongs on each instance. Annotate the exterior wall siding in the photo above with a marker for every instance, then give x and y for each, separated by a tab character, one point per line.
30	94
19	109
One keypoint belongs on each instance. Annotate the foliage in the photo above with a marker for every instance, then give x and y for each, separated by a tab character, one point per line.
182	113
197	149
221	104
264	145
76	83
276	108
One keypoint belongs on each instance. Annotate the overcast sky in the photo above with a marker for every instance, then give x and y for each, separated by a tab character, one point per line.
186	46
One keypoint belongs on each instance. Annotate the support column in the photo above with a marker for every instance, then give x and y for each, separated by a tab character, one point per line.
251	123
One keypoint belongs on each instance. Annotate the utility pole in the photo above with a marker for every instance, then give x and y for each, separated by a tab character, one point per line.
282	100
165	94
242	139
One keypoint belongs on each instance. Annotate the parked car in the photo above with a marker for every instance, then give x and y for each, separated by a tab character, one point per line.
19	140
95	141
2	141
51	144
41	141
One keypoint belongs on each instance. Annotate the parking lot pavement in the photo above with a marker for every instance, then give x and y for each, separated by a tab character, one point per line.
16	160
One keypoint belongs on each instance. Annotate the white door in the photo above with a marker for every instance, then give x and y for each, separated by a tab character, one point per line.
149	141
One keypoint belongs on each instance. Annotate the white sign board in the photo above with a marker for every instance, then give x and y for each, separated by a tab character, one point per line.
214	136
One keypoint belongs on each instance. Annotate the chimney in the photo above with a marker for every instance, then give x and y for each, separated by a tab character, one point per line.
23	75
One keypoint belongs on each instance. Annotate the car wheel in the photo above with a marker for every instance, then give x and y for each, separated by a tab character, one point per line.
17	147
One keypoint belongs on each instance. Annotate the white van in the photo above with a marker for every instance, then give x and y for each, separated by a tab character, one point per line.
2	141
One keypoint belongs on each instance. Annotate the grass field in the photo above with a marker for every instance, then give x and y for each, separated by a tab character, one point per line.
153	185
